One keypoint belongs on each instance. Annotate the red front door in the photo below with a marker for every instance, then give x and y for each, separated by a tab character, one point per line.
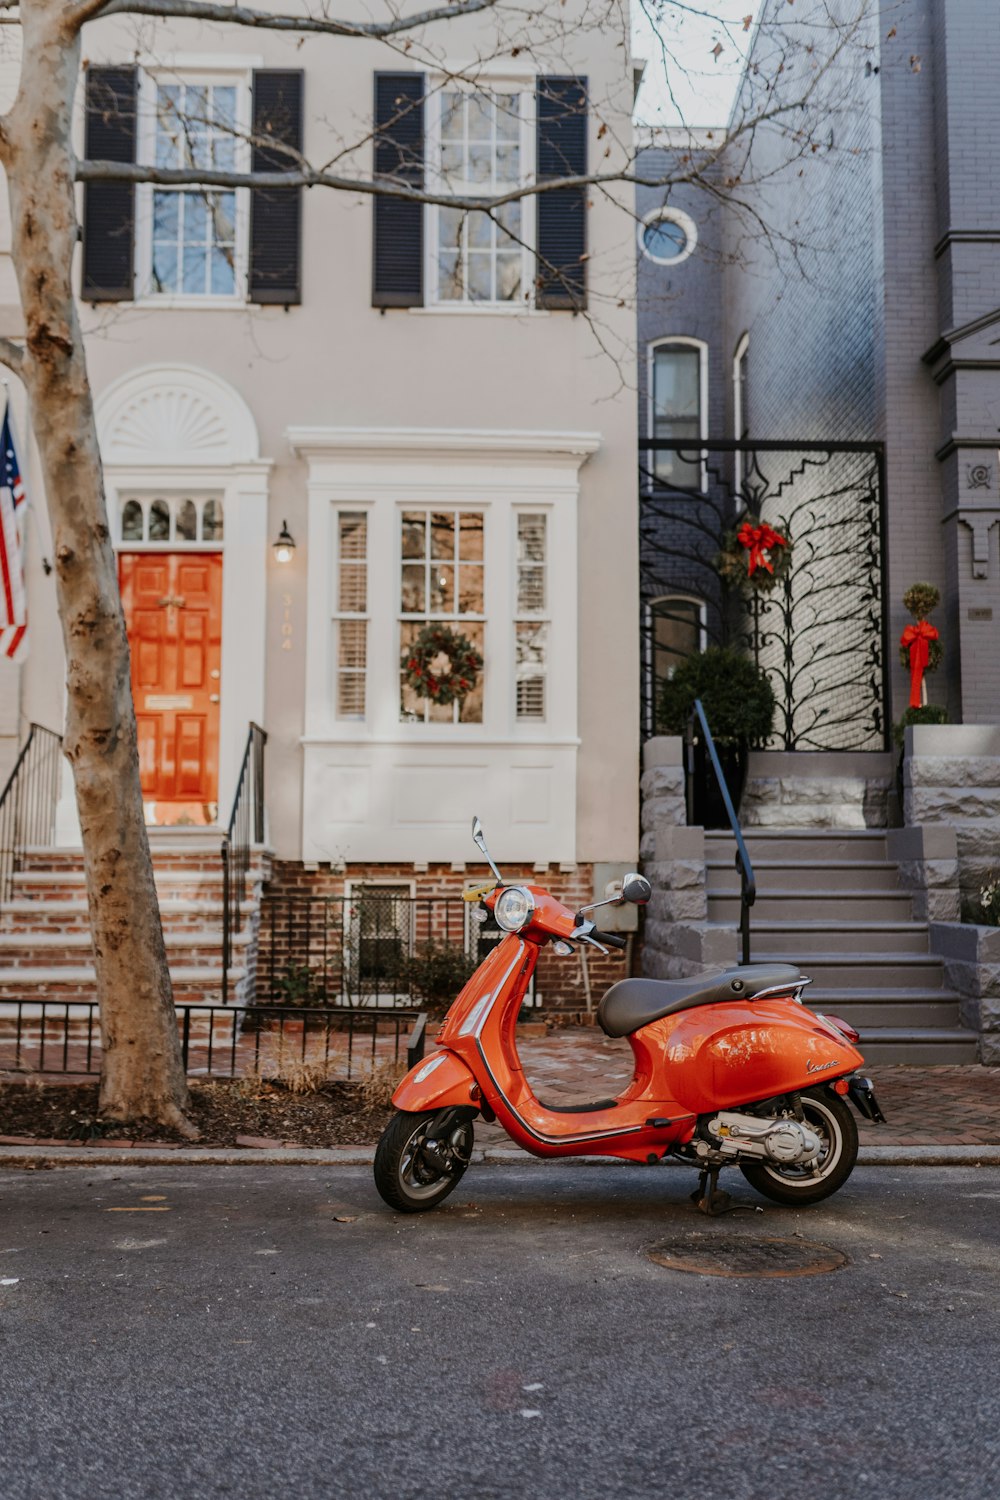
173	613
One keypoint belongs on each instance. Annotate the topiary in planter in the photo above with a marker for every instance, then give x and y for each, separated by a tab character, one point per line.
736	695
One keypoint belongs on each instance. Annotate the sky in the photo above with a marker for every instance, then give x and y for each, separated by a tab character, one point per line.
693	87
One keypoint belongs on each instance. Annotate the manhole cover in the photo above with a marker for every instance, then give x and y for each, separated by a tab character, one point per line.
745	1255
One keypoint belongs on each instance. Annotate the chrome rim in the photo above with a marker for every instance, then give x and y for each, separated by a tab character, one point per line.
821	1119
420	1178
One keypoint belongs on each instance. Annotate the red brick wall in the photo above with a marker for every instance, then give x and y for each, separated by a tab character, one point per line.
308	933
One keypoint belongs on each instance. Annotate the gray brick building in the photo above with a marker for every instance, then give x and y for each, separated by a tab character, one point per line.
869	311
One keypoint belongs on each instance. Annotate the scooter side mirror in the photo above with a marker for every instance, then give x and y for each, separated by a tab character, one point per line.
479	839
636	889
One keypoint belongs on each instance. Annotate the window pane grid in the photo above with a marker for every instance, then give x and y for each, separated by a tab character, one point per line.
194	233
479	258
441	580
173	519
531	634
352	599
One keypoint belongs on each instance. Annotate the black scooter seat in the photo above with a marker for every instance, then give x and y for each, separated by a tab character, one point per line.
632	1003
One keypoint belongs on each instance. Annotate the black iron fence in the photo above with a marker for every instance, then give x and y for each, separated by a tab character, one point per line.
245	829
57	1036
821	632
376	945
28	803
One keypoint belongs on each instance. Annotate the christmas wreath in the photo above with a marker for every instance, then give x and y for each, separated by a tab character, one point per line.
441	665
756	556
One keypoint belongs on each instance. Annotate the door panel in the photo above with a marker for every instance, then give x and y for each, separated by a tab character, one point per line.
173	613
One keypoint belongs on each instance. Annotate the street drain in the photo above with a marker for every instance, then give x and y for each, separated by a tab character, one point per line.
745	1255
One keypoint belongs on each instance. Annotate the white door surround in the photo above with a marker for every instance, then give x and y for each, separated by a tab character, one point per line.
174	429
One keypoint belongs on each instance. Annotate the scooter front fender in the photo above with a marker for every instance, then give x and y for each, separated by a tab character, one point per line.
438	1082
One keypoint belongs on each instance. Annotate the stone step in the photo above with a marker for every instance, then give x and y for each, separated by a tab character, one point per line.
851	938
845	907
913	1008
721	875
925	1047
801	845
872	972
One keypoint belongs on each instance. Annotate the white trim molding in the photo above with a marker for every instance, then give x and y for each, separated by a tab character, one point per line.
381	789
666	215
175	428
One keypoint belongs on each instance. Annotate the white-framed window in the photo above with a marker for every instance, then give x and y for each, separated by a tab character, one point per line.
169	522
479	143
531	621
667	236
741	412
351	617
678	409
441	580
192	243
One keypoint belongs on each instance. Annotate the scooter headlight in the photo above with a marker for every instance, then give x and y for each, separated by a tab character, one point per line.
514	909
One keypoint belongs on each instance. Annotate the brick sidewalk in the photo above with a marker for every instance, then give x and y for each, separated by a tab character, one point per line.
943	1106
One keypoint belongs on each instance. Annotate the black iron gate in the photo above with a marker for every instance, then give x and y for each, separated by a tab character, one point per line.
821	632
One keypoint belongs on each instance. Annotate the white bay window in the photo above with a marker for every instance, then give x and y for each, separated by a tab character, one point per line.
475	532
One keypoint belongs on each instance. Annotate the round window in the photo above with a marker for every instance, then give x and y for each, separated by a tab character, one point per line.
667	237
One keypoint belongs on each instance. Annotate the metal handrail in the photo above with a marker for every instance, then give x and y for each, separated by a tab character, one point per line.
748	883
28	802
245	828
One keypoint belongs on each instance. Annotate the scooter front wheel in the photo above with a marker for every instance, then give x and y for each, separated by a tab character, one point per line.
415	1169
829	1116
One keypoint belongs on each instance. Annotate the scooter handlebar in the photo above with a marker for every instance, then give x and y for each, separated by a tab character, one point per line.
612	939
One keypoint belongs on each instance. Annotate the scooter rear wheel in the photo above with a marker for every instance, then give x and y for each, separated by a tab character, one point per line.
830	1117
407	1179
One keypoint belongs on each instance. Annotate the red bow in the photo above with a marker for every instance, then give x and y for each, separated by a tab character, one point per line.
758	540
917	639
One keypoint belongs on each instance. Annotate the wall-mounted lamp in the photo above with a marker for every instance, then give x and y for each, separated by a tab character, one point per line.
285	545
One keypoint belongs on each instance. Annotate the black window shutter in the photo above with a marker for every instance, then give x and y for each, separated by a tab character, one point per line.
398	230
109	207
276	213
562	213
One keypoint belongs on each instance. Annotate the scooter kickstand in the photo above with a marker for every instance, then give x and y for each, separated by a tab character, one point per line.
710	1198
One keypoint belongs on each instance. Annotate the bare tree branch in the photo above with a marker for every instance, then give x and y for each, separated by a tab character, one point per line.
240	15
12	355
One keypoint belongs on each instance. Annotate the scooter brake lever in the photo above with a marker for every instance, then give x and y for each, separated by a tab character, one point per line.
594	944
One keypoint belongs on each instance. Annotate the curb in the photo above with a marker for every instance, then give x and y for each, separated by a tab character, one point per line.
31	1158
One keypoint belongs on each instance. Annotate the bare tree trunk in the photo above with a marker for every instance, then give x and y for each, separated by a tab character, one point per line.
142	1074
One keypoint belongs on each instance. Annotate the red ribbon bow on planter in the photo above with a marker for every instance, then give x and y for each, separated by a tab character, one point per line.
917	640
758	540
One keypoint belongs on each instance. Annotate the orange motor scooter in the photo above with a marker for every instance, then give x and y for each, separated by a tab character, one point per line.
730	1069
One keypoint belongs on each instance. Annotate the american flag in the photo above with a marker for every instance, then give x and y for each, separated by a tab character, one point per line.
13	517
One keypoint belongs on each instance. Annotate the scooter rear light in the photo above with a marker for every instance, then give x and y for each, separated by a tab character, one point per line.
845	1028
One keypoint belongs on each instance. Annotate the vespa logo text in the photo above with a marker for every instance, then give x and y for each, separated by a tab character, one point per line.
812	1067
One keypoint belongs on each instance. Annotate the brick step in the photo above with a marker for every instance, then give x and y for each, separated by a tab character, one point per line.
45	885
923	1047
57	950
874	972
41	918
201	985
815	846
851	938
166	858
845	907
721	875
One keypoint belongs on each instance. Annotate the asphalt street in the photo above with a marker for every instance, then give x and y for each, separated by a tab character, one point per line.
261	1332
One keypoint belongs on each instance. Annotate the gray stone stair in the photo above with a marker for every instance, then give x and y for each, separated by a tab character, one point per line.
831	903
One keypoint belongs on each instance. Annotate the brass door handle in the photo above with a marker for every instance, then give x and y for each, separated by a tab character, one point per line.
170	600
